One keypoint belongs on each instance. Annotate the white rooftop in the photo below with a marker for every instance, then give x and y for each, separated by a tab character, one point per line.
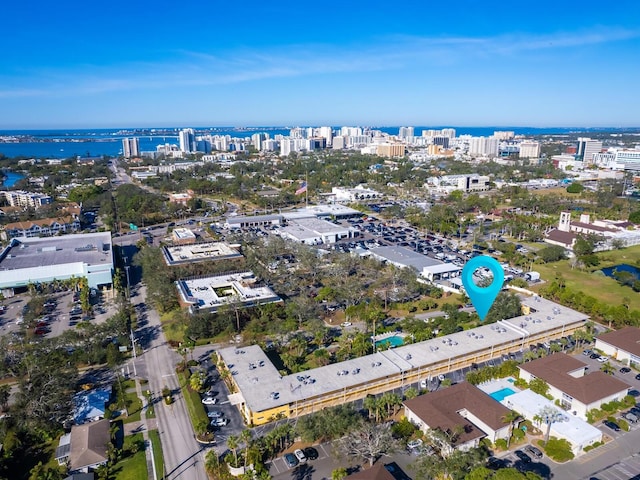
215	291
199	252
258	384
578	432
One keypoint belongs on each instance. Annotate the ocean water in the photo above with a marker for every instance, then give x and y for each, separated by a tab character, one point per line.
85	142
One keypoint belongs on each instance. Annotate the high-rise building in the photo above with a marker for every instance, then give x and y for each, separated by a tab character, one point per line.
187	140
405	133
529	149
449	132
327	132
586	148
485	146
131	147
504	134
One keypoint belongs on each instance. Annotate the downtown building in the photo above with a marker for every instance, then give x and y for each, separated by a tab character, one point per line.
130	147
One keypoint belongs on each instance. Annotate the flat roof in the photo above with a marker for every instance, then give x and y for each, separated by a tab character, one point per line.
88	248
405	256
257	384
627	339
182	233
555	369
325	210
315	226
252	219
214	291
199	252
574	429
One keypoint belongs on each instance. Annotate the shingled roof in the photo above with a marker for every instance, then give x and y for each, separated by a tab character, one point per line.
627	339
555	369
442	409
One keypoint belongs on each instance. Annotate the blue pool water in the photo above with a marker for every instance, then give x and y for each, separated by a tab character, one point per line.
394	341
510	380
501	394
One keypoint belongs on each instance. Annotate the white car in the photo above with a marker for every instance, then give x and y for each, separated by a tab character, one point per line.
215	414
602	359
209	400
219	422
414	444
302	458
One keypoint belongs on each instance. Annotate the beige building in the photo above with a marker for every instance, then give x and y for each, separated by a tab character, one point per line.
390	150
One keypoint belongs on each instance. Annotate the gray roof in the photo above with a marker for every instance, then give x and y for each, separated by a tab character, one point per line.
88	248
257	383
404	256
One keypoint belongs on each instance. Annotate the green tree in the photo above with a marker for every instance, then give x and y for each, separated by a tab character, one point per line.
539	386
575	187
552	253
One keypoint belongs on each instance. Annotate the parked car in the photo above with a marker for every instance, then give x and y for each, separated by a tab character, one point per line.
311	453
219	422
417	443
612	425
534	451
524	458
291	460
215	414
631	417
593	356
302	458
634	393
587	352
625	370
209	400
638	376
602	359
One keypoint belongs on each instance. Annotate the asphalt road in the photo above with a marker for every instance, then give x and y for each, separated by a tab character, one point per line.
183	456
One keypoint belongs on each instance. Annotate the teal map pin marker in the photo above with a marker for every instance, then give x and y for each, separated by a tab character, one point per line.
482	297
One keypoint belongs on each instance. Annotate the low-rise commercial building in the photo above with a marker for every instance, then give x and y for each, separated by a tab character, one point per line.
41	260
208	294
200	252
183	236
314	231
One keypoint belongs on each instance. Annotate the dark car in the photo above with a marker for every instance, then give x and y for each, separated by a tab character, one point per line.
593	356
634	393
638	376
533	451
524	458
612	425
625	370
496	463
635	411
291	460
311	453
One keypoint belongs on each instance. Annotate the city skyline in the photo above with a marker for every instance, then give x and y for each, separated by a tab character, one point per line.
287	64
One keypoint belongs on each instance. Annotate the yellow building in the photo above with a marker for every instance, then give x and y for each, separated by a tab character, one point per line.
262	394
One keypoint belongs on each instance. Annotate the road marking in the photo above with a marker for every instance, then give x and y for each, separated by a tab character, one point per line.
168	375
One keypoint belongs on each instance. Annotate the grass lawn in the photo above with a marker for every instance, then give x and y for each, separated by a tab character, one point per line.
158	458
134	406
133	467
192	399
600	287
173	326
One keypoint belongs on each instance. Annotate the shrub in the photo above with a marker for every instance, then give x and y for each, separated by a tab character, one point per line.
624	425
592	446
501	444
558	450
518	434
403	429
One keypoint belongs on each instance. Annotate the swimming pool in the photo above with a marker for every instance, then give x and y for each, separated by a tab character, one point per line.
394	341
501	394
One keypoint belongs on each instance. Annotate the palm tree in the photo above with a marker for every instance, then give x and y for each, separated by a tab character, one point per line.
512	417
245	436
233	443
339	474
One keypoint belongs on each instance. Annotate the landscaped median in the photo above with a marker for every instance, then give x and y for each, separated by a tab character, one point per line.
197	413
158	457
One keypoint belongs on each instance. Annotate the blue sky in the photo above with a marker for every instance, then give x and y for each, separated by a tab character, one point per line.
194	63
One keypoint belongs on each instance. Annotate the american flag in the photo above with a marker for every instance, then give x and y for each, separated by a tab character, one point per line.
302	189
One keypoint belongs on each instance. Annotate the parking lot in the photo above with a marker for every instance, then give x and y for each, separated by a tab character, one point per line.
62	313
